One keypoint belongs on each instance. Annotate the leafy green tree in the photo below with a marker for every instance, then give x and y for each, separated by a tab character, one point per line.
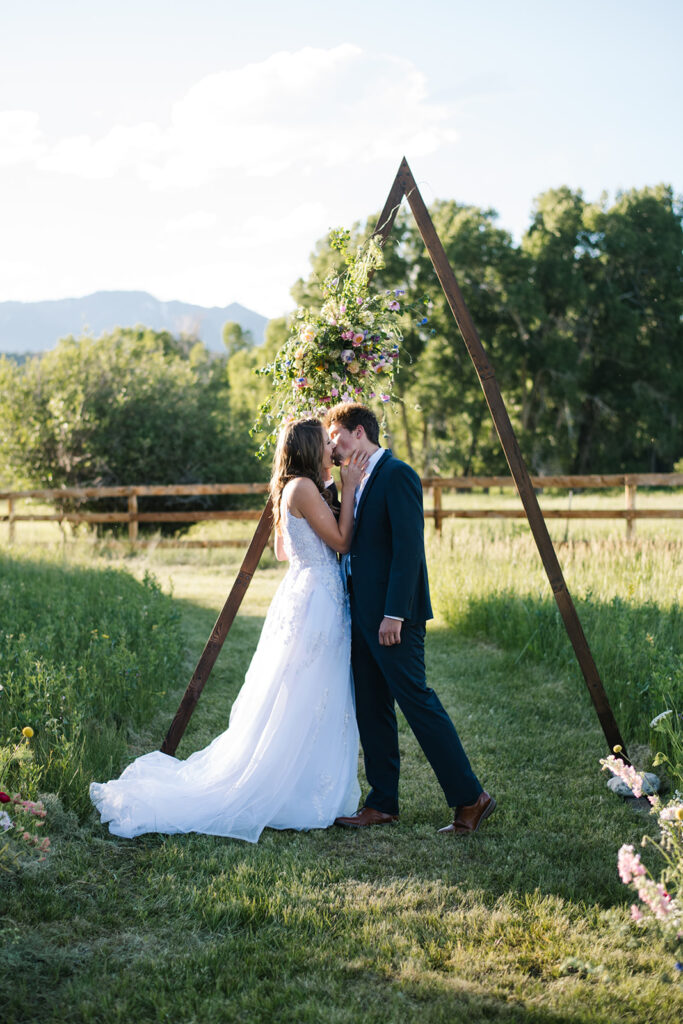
235	338
134	406
582	322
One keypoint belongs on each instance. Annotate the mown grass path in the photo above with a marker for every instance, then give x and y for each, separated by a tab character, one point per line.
526	921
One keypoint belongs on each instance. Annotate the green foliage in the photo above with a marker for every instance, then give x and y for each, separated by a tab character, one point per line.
132	407
84	655
235	338
582	322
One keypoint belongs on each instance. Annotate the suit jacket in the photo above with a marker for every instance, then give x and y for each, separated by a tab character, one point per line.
388	564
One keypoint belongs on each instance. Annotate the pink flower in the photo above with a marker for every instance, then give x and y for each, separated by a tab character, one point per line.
385	398
334	392
394	306
45	845
358	338
636	914
629	864
625	772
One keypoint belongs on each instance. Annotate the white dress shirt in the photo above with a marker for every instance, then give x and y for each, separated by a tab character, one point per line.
372	462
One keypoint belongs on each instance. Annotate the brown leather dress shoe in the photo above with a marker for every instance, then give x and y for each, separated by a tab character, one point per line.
468	819
367	816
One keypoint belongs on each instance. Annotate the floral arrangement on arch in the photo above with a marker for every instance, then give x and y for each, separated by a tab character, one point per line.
348	351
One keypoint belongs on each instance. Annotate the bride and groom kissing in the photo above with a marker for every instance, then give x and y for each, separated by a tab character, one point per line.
341	645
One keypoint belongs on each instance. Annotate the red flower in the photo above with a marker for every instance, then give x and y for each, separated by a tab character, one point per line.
4	798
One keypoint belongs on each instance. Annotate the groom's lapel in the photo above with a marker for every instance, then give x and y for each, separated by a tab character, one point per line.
366	490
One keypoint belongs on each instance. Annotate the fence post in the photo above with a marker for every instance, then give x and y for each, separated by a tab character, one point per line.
132	523
438	518
10	521
630	504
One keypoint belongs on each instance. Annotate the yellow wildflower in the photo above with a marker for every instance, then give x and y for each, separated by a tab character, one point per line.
27	731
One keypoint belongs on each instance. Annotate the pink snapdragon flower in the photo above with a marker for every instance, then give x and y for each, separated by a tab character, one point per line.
629	864
626	772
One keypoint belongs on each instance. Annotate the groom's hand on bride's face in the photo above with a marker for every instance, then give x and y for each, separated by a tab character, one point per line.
390	632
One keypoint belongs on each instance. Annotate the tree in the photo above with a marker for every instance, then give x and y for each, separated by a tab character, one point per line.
235	338
134	406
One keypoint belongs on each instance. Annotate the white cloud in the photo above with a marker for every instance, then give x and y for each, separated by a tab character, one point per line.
21	139
198	220
306	222
294	110
124	146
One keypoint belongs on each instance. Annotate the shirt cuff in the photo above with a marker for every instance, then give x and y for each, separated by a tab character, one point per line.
398	618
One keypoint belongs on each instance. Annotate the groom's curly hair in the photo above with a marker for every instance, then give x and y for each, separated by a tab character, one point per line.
351	415
299	452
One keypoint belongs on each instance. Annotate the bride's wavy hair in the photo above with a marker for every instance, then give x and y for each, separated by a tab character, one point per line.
299	452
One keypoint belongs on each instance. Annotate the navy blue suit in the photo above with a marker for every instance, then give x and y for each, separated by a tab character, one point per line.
389	577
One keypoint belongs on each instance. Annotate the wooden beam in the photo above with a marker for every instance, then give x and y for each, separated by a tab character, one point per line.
513	455
220	631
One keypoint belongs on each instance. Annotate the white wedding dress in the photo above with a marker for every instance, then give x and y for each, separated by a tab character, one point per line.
289	759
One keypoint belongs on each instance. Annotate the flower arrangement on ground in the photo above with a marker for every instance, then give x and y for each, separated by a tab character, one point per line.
20	819
659	899
348	351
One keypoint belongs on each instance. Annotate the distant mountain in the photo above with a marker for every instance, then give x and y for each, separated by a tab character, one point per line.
37	326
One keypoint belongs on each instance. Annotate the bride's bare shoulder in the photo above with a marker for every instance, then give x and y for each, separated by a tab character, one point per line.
298	493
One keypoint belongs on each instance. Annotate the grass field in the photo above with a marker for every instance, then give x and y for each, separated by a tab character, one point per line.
527	921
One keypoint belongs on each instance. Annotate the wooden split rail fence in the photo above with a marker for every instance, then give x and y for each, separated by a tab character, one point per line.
629	482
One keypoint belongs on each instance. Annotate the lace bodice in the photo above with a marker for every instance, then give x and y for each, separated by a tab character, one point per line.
304	547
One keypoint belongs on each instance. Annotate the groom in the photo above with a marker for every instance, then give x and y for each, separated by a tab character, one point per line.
387	575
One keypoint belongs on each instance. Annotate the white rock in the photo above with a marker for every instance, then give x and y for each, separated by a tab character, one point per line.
650	785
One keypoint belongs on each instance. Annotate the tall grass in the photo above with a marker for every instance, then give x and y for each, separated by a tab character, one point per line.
490	583
84	654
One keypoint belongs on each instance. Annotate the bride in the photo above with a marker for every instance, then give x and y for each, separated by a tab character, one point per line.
290	755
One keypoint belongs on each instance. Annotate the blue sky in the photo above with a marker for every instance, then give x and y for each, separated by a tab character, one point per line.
198	150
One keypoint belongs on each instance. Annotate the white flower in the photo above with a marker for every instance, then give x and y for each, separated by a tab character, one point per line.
5	821
660	718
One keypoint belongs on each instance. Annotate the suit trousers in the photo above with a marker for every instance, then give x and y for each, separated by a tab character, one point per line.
382	676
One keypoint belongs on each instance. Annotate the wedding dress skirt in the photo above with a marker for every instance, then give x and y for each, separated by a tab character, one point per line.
289	759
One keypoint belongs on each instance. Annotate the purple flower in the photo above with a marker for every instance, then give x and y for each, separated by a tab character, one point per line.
385	398
399	291
394	306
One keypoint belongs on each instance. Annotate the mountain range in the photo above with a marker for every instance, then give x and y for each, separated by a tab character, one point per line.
37	326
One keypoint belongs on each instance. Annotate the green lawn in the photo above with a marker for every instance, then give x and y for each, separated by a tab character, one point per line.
527	921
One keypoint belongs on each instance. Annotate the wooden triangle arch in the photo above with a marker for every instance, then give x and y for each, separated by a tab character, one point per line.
405	186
